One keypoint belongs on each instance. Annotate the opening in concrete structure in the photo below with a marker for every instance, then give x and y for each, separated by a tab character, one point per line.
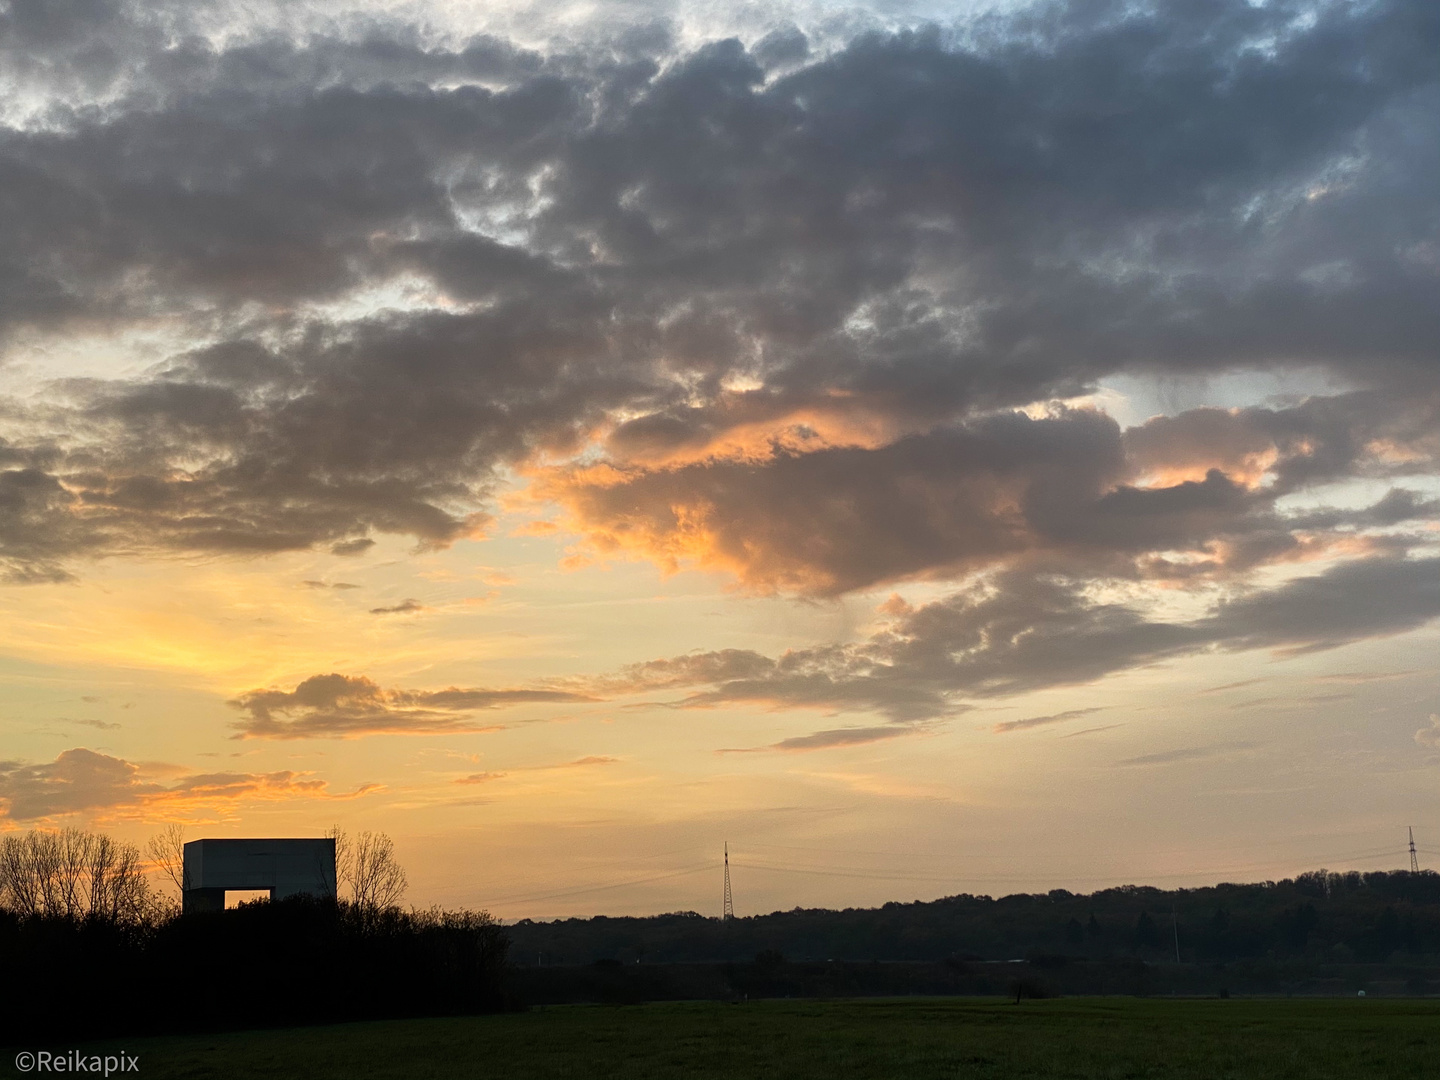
235	897
277	867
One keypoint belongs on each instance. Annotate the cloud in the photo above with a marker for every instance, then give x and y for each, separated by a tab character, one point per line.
826	740
1068	488
1091	731
102	725
405	607
1430	735
578	763
1041	721
84	781
1353	601
329	585
772	290
1020	633
1357	677
348	706
1291	702
1235	685
480	778
1192	753
358	546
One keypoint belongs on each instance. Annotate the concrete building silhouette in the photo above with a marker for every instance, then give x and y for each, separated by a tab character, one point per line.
283	867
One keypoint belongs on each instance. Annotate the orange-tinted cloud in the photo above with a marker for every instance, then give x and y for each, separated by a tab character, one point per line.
756	426
1178	500
85	781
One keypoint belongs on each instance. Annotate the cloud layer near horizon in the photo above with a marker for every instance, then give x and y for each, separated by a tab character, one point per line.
86	781
1020	633
344	706
999	637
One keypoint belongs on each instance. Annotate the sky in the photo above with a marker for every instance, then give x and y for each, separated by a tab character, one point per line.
931	448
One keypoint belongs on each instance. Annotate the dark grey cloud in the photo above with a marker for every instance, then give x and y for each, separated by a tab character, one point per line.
1023	633
348	706
1355	600
358	546
695	259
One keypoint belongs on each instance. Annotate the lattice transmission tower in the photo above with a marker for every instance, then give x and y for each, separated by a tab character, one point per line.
1414	861
729	912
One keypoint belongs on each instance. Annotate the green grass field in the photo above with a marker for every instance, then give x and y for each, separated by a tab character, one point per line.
912	1039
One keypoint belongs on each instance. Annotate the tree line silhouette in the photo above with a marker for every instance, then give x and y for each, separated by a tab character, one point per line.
1335	917
89	948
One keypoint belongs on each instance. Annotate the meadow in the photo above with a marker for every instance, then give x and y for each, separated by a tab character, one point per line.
914	1039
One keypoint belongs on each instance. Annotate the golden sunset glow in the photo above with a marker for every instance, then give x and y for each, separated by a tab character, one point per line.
871	438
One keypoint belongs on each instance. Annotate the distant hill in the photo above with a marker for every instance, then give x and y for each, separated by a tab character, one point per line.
1335	918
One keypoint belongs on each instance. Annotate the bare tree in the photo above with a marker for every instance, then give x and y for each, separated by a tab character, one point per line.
379	880
47	864
73	851
103	859
367	869
19	885
167	853
118	891
72	874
